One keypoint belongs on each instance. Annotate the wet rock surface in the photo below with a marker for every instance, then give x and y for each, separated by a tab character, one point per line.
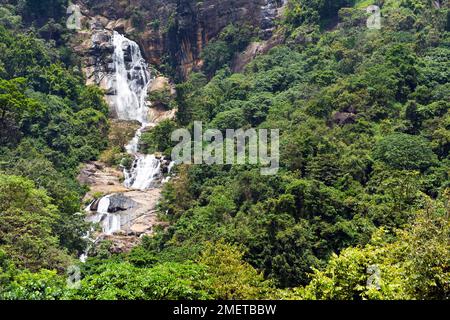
138	217
120	202
101	179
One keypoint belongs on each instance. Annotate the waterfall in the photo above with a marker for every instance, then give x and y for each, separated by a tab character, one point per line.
269	13
109	222
146	169
129	84
130	80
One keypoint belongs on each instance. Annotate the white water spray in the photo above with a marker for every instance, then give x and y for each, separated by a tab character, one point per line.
130	81
109	222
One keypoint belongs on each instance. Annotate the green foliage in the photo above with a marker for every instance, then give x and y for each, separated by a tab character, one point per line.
231	277
364	137
362	188
43	285
403	151
215	56
50	104
302	11
26	225
122	281
49	122
219	53
162	98
36	10
230	119
415	266
158	139
137	19
9	18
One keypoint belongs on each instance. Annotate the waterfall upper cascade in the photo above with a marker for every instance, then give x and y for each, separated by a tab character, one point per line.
130	81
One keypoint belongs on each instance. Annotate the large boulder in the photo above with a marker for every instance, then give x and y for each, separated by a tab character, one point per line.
120	202
344	118
117	202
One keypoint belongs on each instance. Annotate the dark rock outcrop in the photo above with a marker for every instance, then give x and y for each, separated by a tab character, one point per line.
344	118
119	202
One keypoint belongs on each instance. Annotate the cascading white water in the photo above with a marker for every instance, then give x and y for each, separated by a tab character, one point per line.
130	81
147	169
103	205
110	222
130	84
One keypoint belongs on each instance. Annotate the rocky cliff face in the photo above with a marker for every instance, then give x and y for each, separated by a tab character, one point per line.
168	31
197	23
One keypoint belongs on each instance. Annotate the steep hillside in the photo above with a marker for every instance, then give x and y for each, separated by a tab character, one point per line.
358	208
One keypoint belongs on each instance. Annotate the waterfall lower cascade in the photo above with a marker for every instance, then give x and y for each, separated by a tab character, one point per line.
128	85
109	222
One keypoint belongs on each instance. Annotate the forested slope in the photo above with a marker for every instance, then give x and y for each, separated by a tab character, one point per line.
49	123
363	187
364	151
